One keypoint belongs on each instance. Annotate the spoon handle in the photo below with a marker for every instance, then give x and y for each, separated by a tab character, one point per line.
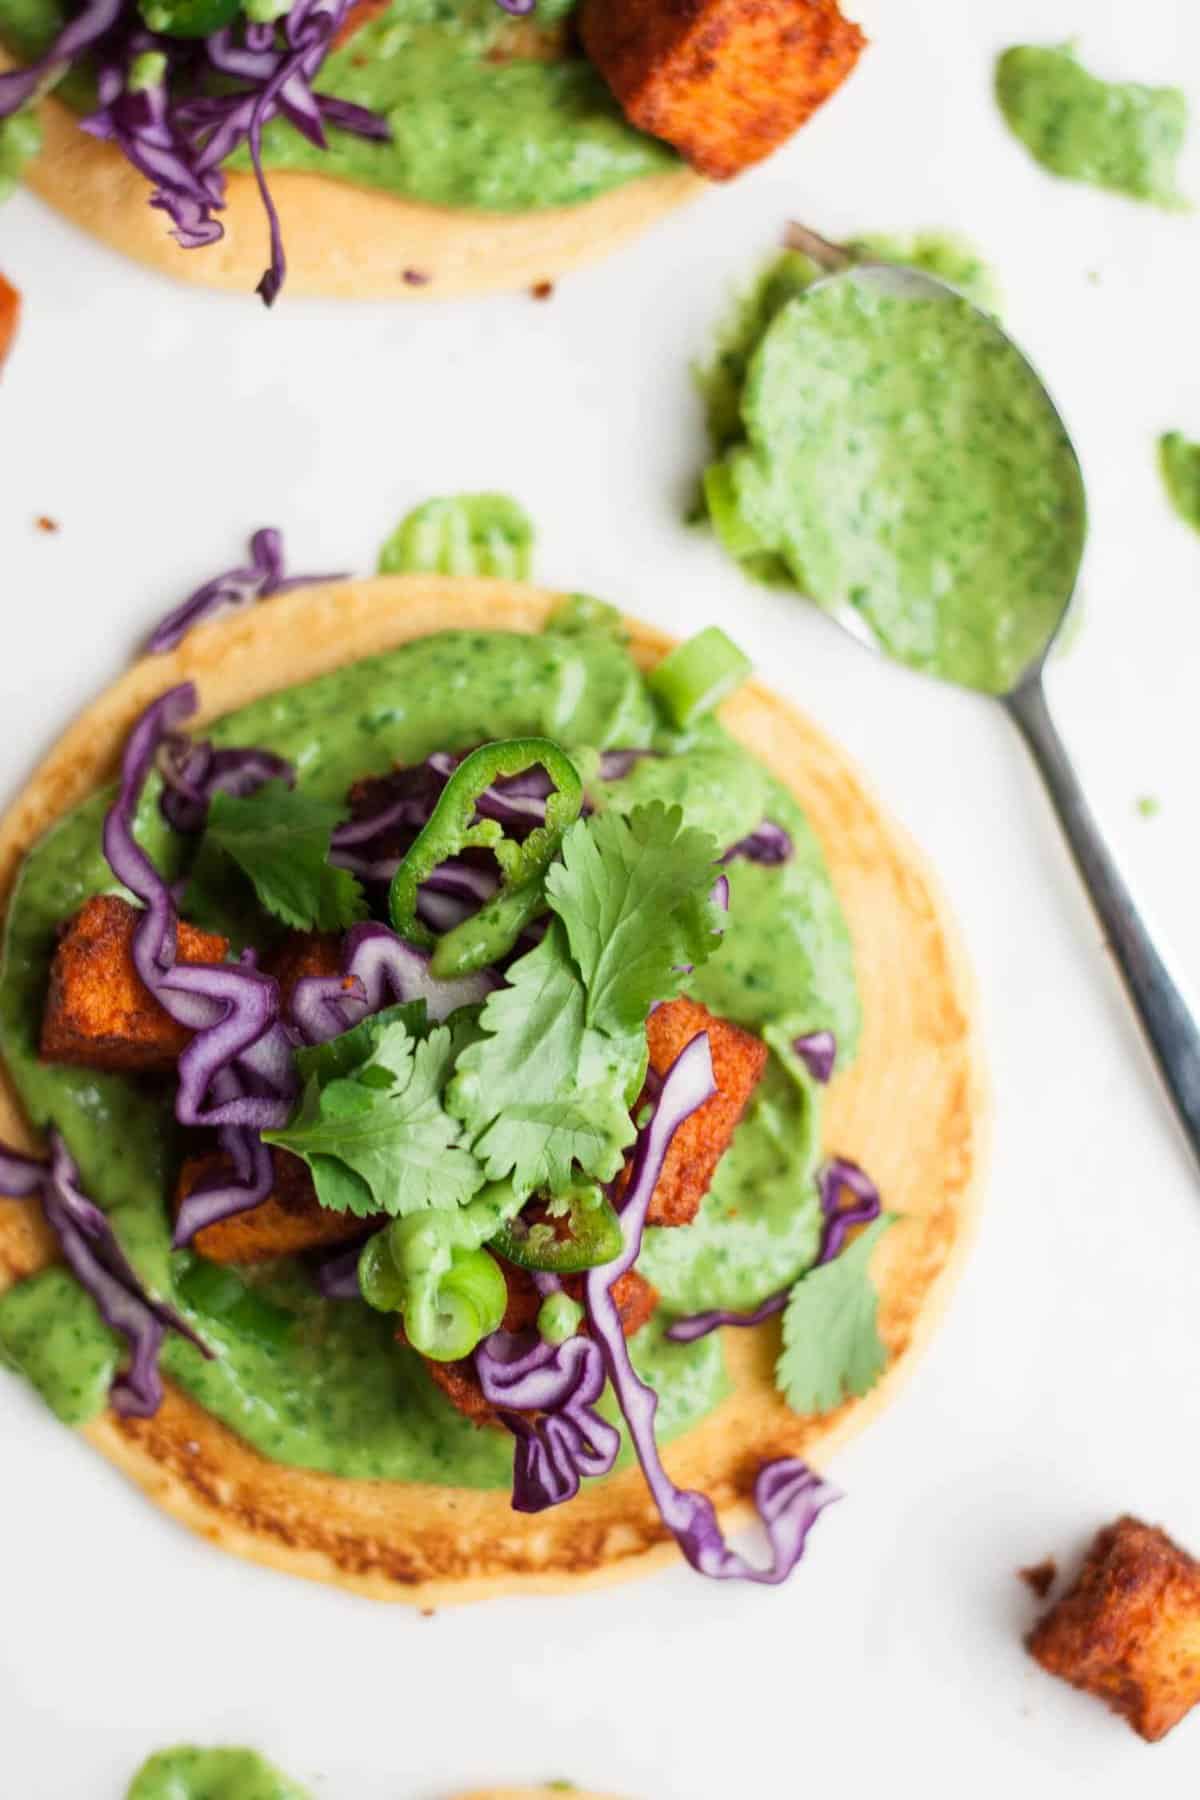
1168	1022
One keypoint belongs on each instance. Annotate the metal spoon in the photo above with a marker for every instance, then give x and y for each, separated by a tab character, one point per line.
1166	1017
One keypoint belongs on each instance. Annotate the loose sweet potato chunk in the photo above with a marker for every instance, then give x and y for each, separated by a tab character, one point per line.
289	1221
1128	1630
635	1299
739	1059
99	1013
10	313
724	81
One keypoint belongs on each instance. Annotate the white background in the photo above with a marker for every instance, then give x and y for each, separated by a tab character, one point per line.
159	425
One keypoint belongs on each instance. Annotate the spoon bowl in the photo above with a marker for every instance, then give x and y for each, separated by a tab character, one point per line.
1166	1017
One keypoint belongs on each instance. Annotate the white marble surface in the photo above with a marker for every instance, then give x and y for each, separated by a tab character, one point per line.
160	425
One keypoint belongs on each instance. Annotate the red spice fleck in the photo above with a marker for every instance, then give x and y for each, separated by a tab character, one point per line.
542	290
45	523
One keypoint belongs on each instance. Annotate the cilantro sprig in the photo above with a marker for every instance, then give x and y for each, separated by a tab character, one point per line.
375	1133
546	1093
279	838
832	1350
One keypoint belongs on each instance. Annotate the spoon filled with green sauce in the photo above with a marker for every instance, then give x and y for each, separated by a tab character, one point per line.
900	462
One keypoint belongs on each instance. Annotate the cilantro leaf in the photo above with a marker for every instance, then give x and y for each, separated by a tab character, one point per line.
280	839
831	1343
540	1092
634	896
379	1139
345	1054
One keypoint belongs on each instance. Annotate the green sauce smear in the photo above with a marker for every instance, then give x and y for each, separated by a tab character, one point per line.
886	452
1116	135
1179	462
462	534
476	121
188	1773
333	1391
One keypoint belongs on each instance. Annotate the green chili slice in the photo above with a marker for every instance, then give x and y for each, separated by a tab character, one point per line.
581	1230
454	826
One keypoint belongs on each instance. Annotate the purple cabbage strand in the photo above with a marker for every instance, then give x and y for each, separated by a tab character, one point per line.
236	588
546	1395
838	1173
91	1251
788	1495
238	1072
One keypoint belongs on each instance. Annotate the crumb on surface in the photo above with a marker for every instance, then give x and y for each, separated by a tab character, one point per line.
1128	1627
1149	806
45	523
1041	1576
542	290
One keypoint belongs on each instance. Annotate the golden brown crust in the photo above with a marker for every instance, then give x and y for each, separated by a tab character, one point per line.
724	81
99	1012
343	242
1128	1628
912	1109
738	1060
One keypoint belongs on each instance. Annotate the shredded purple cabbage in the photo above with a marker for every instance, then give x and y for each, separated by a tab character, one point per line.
817	1050
193	773
615	765
90	1250
214	96
788	1495
378	969
233	590
80	35
837	1173
769	845
565	1439
237	1073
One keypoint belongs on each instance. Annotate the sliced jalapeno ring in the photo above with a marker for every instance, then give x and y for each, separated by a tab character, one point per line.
585	1235
453	826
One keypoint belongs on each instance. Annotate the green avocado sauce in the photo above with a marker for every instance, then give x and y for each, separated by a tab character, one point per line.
477	121
336	1393
1179	461
188	1773
1116	135
885	452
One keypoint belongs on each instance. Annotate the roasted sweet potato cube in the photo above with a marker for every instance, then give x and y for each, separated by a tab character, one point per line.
10	313
1128	1630
301	954
291	1219
724	81
739	1059
635	1300
99	1013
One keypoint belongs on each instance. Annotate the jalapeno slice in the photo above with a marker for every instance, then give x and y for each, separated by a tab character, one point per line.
582	1232
454	826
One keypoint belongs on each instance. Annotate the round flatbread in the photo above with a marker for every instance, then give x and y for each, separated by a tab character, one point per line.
912	1109
343	242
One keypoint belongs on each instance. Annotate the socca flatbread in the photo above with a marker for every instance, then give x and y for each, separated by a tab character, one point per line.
343	242
912	1109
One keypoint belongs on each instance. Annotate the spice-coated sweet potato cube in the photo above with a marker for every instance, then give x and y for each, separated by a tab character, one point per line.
1128	1630
724	81
290	1220
99	1013
738	1059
